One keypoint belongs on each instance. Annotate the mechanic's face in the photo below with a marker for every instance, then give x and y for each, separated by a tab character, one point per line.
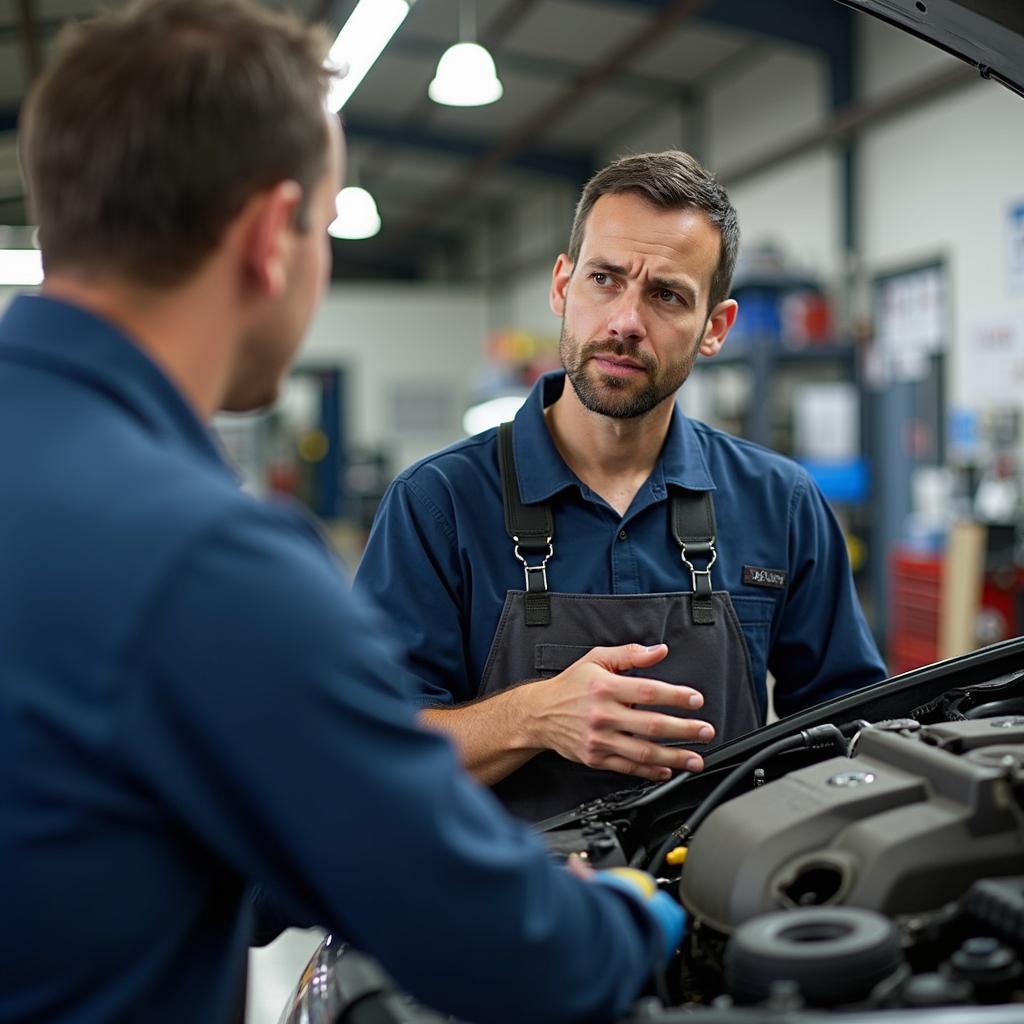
275	336
634	307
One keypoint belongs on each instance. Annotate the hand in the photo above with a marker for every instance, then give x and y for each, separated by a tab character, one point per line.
667	913
587	714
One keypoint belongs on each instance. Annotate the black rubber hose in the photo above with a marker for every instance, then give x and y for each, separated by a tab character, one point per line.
818	737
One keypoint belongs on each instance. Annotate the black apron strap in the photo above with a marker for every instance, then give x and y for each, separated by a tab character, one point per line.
693	526
531	528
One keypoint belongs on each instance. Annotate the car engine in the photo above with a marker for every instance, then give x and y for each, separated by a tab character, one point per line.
890	876
842	861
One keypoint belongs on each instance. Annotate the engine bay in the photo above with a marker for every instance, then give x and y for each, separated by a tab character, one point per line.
864	858
862	867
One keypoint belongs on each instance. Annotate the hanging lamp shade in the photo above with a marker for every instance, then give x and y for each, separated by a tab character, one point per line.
465	77
357	214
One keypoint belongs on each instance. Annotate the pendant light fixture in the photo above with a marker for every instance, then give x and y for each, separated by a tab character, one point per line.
358	216
466	76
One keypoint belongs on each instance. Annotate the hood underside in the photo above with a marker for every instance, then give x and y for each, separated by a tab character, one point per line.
986	33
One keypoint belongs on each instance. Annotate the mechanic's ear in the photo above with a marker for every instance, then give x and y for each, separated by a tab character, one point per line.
560	277
720	322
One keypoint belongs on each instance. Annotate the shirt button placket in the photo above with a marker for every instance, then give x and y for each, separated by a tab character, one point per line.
623	565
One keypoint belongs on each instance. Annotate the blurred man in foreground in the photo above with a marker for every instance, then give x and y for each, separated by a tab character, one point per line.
189	697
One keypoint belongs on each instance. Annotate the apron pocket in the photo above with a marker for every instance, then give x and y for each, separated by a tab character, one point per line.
550	659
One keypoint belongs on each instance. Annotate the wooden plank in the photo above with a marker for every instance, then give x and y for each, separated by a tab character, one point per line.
962	581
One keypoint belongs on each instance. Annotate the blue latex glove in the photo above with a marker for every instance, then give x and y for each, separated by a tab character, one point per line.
670	917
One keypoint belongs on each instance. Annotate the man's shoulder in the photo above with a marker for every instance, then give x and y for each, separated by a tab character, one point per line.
457	465
740	457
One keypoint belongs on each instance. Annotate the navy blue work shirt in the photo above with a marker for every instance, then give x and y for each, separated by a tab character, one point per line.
439	561
190	700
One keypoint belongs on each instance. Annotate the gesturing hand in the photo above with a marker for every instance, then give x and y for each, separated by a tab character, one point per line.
587	713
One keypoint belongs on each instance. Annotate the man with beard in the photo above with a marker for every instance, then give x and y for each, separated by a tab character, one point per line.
602	516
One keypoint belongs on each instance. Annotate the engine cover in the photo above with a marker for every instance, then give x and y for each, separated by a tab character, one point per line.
904	826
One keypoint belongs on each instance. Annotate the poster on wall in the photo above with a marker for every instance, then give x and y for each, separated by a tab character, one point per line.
910	321
1015	247
994	373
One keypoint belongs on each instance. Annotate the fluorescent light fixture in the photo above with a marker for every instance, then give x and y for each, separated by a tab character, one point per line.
360	42
466	77
357	214
490	414
21	267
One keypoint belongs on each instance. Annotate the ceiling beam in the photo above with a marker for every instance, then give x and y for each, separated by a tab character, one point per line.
557	162
820	25
812	23
542	121
853	120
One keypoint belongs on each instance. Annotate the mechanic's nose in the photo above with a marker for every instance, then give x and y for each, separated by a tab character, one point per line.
626	321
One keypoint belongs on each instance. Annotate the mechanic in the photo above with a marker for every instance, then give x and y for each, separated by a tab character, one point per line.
191	699
633	523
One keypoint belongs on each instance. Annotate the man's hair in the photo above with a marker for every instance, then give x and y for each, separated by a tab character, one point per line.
155	124
672	180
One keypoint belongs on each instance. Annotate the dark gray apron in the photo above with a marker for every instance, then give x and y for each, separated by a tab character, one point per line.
540	633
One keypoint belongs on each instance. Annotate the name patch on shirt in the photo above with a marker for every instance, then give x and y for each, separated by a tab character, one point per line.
755	576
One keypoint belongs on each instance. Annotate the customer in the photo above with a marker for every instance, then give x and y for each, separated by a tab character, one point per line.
189	697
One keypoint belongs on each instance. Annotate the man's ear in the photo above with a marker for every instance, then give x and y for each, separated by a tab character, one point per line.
271	235
722	317
560	277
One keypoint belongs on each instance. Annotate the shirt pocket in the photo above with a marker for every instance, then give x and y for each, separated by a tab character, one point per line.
550	659
755	615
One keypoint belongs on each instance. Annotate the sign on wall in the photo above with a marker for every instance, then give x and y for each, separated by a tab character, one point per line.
1015	247
994	368
910	321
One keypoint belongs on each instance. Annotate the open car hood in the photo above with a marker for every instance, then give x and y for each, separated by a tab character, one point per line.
986	33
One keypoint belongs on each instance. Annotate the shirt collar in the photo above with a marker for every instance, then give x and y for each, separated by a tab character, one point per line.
543	472
74	342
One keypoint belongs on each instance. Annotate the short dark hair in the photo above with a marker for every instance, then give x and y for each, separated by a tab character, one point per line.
155	124
672	180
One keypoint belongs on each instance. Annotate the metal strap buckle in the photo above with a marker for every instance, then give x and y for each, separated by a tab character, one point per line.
706	571
542	569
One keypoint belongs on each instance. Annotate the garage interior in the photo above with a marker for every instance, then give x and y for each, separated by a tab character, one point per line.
880	339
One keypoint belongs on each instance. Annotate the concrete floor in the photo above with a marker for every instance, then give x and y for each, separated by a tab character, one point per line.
274	971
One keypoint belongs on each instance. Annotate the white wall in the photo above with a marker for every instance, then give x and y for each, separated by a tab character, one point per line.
773	101
937	182
668	126
523	304
796	208
427	340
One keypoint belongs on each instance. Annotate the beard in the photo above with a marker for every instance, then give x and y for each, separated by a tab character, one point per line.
619	397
